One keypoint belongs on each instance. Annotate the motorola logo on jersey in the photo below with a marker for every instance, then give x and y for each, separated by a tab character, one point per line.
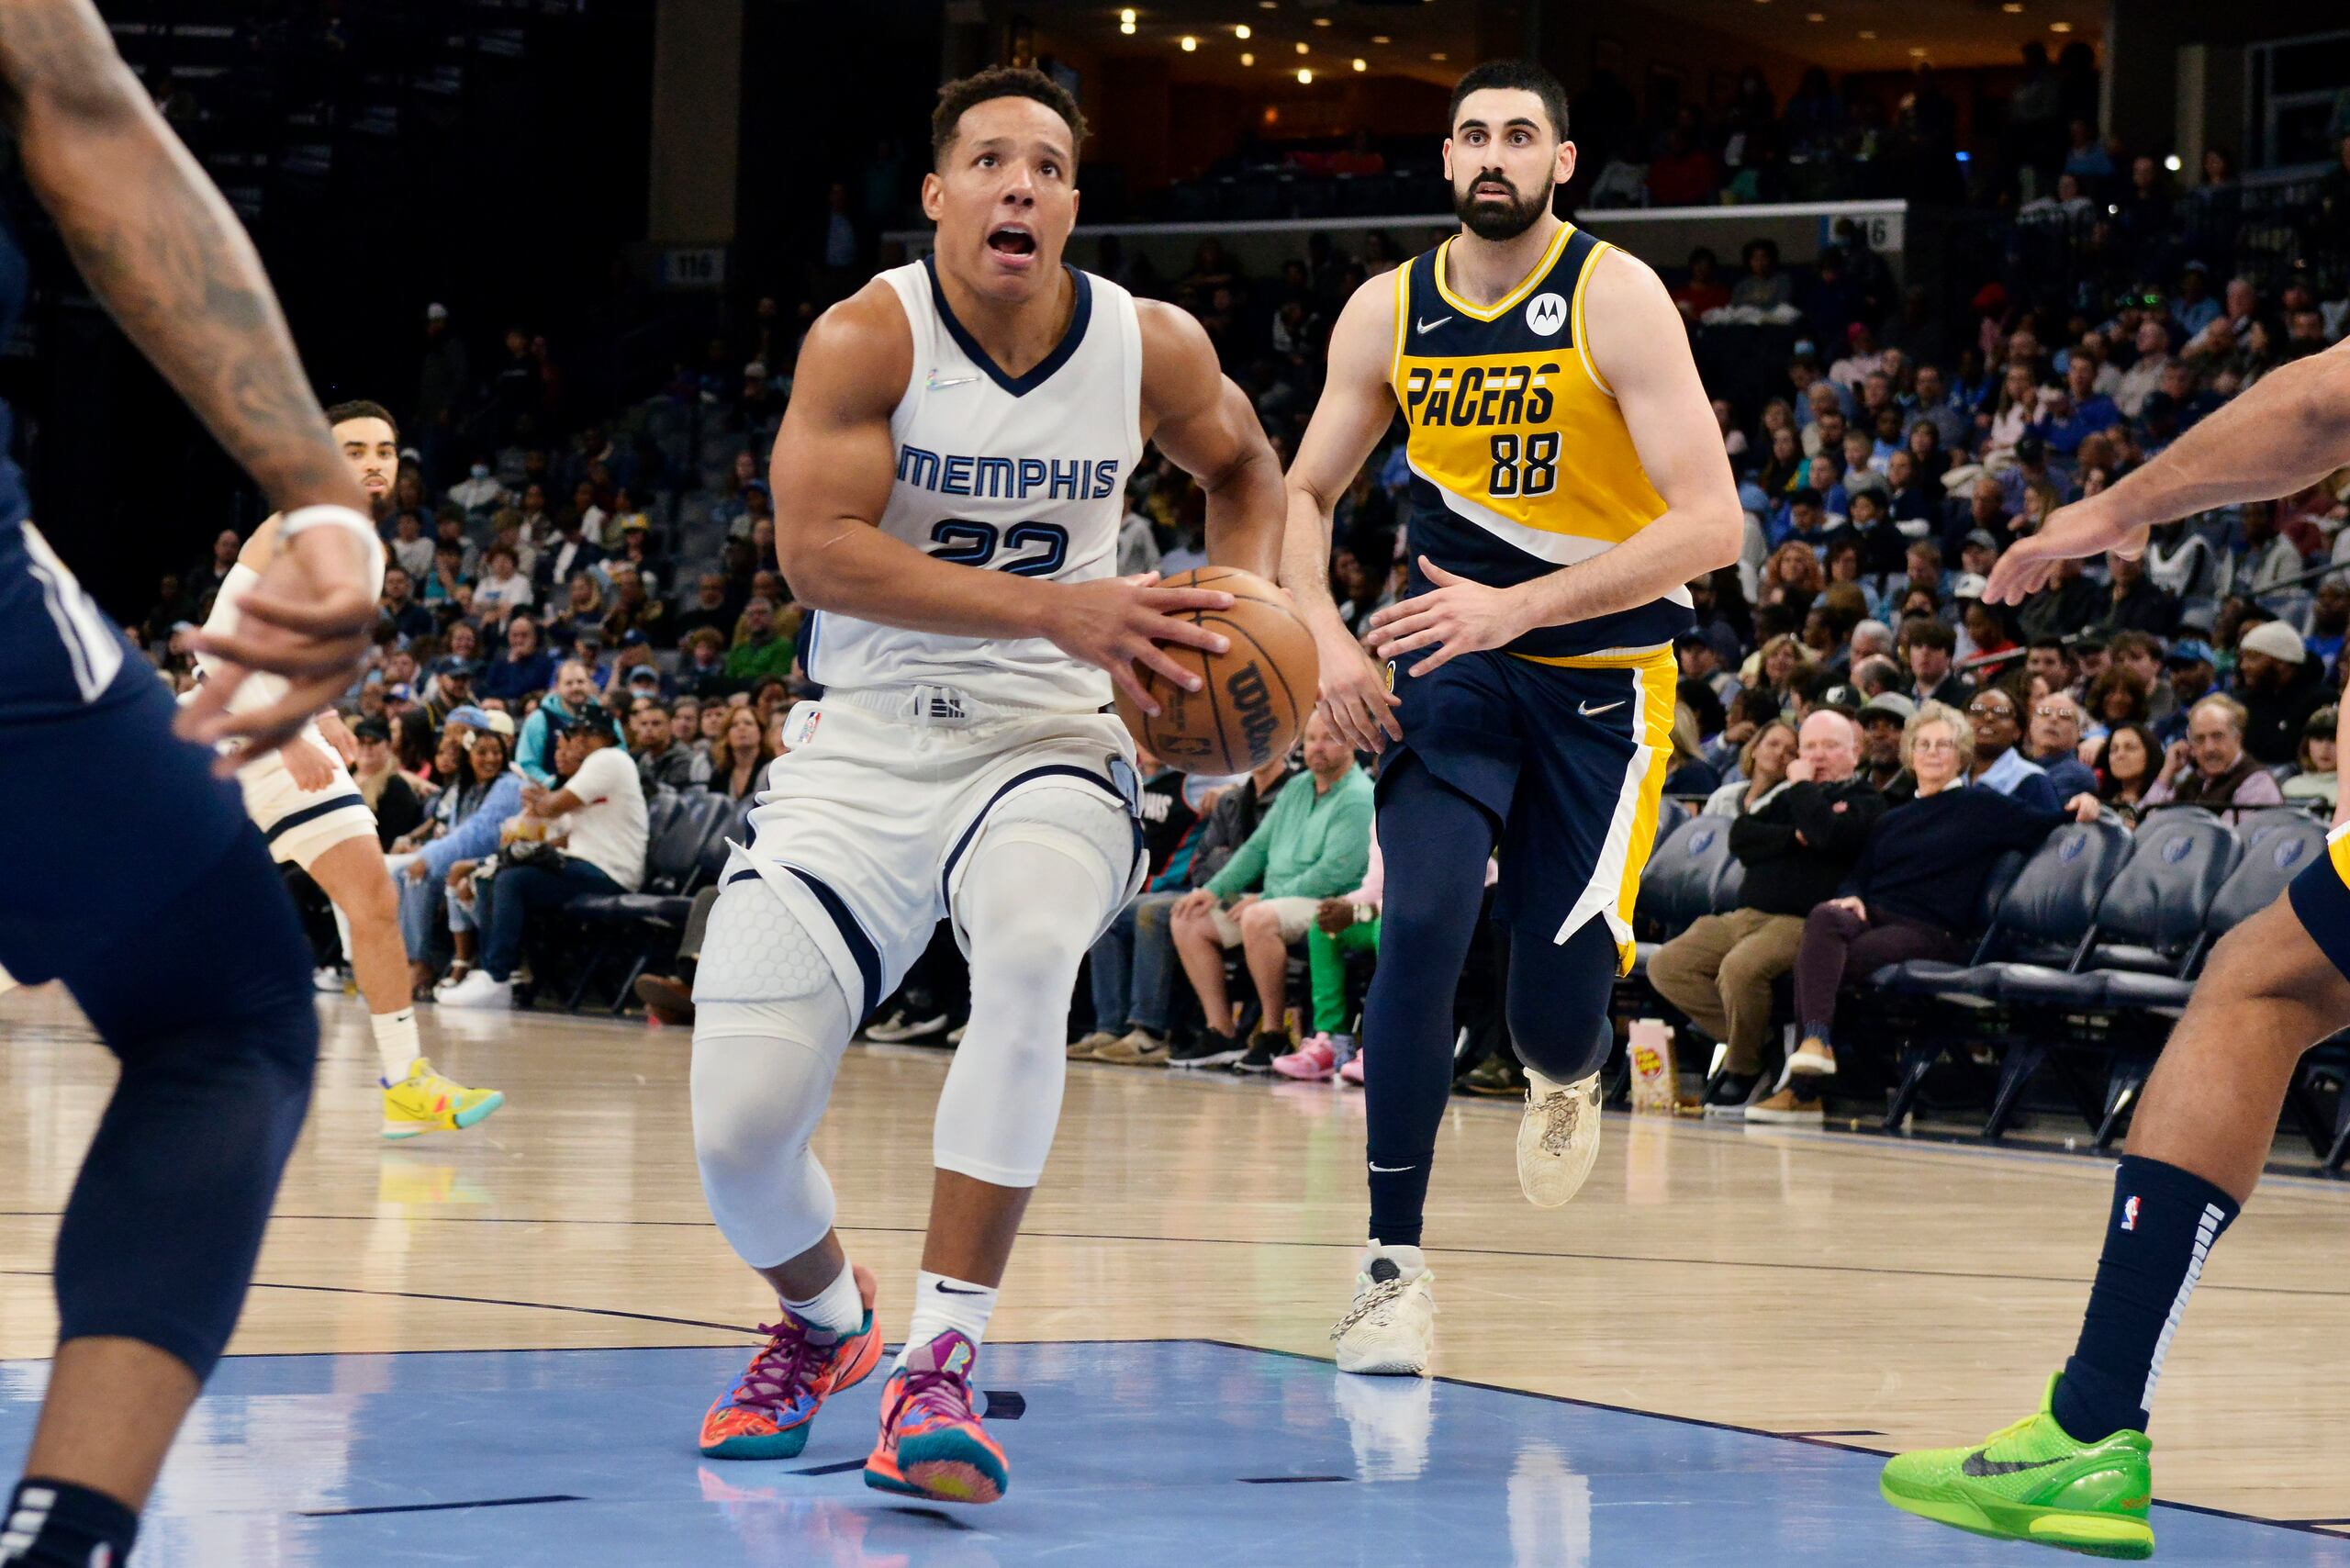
1493	394
1546	315
1008	479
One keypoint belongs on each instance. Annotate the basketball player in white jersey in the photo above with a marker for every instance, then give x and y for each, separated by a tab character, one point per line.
948	484
303	799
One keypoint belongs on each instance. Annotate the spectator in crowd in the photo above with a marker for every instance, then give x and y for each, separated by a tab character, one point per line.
1133	964
1928	646
2315	782
1701	664
738	761
1882	721
760	651
709	608
1911	894
398	613
1761	767
595	829
661	762
1314	844
1999	763
390	794
503	589
468	816
1796	847
2127	767
2053	743
1690	773
452	688
525	666
1764	287
704	672
2280	685
573	697
1342	926
412	551
2210	768
2135	604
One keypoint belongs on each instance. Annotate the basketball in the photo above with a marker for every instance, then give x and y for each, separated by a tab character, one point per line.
1255	696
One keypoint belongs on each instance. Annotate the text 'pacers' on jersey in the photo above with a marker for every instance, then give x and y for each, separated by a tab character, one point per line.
1521	461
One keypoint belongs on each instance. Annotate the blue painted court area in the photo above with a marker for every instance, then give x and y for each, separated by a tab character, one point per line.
1135	1455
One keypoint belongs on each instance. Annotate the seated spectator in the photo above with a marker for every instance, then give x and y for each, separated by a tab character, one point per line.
759	651
2134	603
1690	773
1927	646
1883	720
1133	964
2127	766
1701	664
395	799
1796	847
525	666
738	761
1762	764
593	834
1314	844
466	817
451	688
2281	687
503	587
573	696
1749	712
2316	783
1764	287
1343	925
2210	768
2053	741
704	671
399	610
583	611
1998	762
660	760
1777	664
1911	894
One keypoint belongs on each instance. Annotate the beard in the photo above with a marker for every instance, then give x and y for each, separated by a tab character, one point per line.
1504	220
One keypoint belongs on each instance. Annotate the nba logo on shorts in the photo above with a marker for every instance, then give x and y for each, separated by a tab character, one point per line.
1547	314
2129	1213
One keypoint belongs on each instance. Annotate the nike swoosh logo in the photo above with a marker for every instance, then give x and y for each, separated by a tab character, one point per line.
1432	326
1588	711
944	1289
1390	1170
936	381
1979	1467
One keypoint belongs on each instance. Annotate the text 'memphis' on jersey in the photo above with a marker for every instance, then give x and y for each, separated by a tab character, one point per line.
1521	461
1018	473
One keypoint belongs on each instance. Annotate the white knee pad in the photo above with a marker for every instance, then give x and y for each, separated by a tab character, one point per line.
1082	827
1032	904
771	1025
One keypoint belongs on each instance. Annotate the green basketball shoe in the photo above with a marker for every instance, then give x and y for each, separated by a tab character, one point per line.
2034	1481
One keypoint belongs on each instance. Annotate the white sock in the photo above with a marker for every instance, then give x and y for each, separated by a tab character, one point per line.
835	1309
943	1302
396	1042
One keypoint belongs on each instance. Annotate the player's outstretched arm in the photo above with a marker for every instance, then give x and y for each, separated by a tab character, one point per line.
1205	423
833	465
1355	409
161	249
2289	432
1640	349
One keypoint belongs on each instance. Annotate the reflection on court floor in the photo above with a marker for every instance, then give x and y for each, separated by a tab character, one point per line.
1135	1455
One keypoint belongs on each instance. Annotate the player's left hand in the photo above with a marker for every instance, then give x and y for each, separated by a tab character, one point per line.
1457	617
306	618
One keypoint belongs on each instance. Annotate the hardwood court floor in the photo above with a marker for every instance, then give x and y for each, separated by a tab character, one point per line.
1792	1282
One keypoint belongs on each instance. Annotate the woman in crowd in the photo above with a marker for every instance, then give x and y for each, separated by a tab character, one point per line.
2316	784
1777	664
1794	578
1689	773
582	612
468	815
738	763
1783	467
1912	894
2126	770
2017	406
1762	766
1926	452
2118	698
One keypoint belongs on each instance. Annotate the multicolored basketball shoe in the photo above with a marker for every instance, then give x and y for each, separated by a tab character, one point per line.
932	1443
2036	1481
772	1407
424	1101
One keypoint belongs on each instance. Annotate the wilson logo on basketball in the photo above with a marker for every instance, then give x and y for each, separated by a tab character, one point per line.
1252	700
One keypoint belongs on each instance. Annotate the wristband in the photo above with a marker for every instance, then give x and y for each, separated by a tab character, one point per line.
303	518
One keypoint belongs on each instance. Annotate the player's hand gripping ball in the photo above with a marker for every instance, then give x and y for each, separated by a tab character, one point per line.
1253	697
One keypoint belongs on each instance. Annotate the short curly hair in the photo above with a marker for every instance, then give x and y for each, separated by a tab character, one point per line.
959	97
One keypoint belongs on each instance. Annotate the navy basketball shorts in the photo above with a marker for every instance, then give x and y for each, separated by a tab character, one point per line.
104	814
1569	756
2321	898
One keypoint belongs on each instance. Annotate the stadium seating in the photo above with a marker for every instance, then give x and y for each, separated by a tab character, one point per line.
685	849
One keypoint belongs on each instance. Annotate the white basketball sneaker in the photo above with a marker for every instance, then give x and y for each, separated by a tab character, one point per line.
1391	1329
1558	1140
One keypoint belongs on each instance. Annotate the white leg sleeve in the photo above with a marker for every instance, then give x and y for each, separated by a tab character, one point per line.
769	1029
1048	872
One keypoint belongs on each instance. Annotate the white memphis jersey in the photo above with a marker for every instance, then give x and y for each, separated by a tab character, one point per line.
259	688
1008	474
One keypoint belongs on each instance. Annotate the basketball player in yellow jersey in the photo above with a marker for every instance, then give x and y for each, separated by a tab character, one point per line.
1567	482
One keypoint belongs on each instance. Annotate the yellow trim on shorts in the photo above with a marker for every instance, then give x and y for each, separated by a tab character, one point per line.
1658	678
1611	658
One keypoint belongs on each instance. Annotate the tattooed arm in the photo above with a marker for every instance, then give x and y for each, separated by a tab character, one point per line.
161	249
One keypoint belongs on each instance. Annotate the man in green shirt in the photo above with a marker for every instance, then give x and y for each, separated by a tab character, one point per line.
1314	844
763	652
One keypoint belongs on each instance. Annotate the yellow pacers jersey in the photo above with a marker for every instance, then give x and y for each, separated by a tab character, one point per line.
1520	459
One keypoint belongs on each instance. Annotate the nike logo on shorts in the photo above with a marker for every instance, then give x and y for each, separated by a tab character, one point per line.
1588	711
1432	326
1389	1169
